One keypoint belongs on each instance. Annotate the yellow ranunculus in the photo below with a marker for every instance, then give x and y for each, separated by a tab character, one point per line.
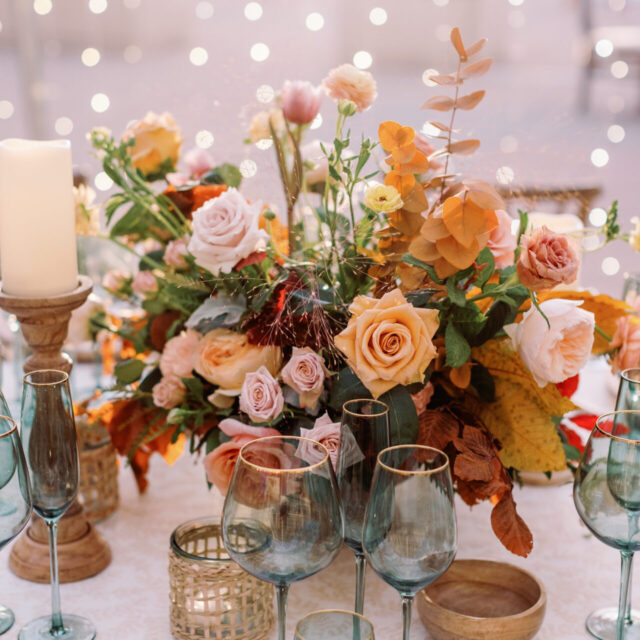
388	341
383	198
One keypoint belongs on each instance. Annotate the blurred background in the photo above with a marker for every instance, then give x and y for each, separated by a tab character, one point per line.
561	111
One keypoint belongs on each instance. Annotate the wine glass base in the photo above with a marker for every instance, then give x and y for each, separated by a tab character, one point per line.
6	619
75	628
603	624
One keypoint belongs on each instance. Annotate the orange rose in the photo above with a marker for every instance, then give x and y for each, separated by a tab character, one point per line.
627	341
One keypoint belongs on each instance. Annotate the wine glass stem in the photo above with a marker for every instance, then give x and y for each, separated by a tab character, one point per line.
407	601
282	593
57	628
361	565
625	590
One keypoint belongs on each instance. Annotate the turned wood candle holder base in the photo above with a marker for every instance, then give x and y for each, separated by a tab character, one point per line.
82	551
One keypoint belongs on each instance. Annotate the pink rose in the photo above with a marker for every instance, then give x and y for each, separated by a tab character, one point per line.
558	352
547	259
627	342
502	242
261	396
305	374
113	280
198	161
144	282
348	83
300	101
175	252
169	392
422	398
179	355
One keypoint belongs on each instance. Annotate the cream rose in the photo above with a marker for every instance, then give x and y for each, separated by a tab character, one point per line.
261	396
556	352
259	128
178	357
388	341
169	392
383	198
346	82
225	357
502	241
225	230
627	342
305	374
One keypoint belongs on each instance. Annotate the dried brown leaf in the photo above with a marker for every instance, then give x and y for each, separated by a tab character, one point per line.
439	103
470	468
436	181
437	428
475	69
449	79
439	125
470	101
483	194
438	154
456	40
464	147
476	47
510	528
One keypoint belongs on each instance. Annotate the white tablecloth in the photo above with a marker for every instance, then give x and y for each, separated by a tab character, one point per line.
129	600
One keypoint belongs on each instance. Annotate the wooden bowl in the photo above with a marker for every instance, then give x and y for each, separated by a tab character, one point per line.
483	600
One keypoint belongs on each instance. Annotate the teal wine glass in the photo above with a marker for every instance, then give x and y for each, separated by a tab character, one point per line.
15	494
282	520
364	433
7	463
606	493
334	624
409	534
629	390
49	438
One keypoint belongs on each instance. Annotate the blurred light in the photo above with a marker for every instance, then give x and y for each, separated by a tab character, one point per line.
617	5
597	217
426	77
378	16
248	168
90	57
443	31
102	181
604	48
505	175
615	133
253	11
516	19
63	126
259	52
132	53
516	3
204	10
515	227
204	139
0	25
430	130
508	144
131	4
610	266
615	104
265	143
198	56
265	93
314	21
362	59
100	102
317	122
6	109
97	6
42	7
599	157
619	69
441	3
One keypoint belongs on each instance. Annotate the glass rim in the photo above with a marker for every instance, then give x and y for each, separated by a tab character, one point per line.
403	472
384	408
626	373
188	525
12	430
349	613
63	374
279	471
597	426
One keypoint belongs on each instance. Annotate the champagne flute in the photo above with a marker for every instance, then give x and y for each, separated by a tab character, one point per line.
606	493
409	534
334	624
364	433
15	494
282	520
49	437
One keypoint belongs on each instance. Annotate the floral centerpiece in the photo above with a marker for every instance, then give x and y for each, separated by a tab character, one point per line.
399	280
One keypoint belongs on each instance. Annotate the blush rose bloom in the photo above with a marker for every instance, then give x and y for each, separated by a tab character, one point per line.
547	259
113	280
627	342
225	357
300	101
199	161
178	357
346	82
144	282
388	341
175	252
261	396
157	142
555	353
502	242
169	392
225	230
305	374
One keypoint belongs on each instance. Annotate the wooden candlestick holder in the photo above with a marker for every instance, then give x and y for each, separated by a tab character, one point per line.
82	551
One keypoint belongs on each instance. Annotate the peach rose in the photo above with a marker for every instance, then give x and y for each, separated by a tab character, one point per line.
225	357
261	396
175	252
305	374
627	342
547	259
144	282
259	127
157	143
179	354
300	101
388	341
558	352
169	392
346	82
502	241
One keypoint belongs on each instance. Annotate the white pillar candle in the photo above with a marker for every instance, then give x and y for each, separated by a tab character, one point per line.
37	218
558	222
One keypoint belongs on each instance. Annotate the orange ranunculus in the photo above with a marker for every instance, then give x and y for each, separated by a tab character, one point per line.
279	233
189	200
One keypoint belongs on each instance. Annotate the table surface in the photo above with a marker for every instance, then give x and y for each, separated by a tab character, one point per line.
130	601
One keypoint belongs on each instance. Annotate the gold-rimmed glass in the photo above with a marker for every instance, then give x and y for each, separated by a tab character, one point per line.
335	624
282	520
629	390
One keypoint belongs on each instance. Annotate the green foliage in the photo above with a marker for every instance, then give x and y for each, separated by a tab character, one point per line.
457	347
226	173
346	386
403	418
407	258
129	371
611	226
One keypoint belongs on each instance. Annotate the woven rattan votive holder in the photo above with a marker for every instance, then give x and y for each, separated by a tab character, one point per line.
211	596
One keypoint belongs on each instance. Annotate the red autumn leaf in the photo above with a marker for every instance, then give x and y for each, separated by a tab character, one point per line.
252	258
510	528
569	386
159	327
585	420
572	437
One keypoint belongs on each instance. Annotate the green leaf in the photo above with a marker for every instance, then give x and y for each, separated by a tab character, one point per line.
156	256
570	452
154	306
486	258
129	371
403	418
421	297
346	386
213	440
496	319
482	381
455	294
226	173
524	223
150	380
110	170
194	386
132	222
407	258
458	349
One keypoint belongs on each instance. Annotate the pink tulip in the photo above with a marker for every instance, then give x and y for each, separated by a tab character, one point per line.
300	101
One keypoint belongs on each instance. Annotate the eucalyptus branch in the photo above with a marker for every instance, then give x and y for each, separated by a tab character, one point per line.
450	132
